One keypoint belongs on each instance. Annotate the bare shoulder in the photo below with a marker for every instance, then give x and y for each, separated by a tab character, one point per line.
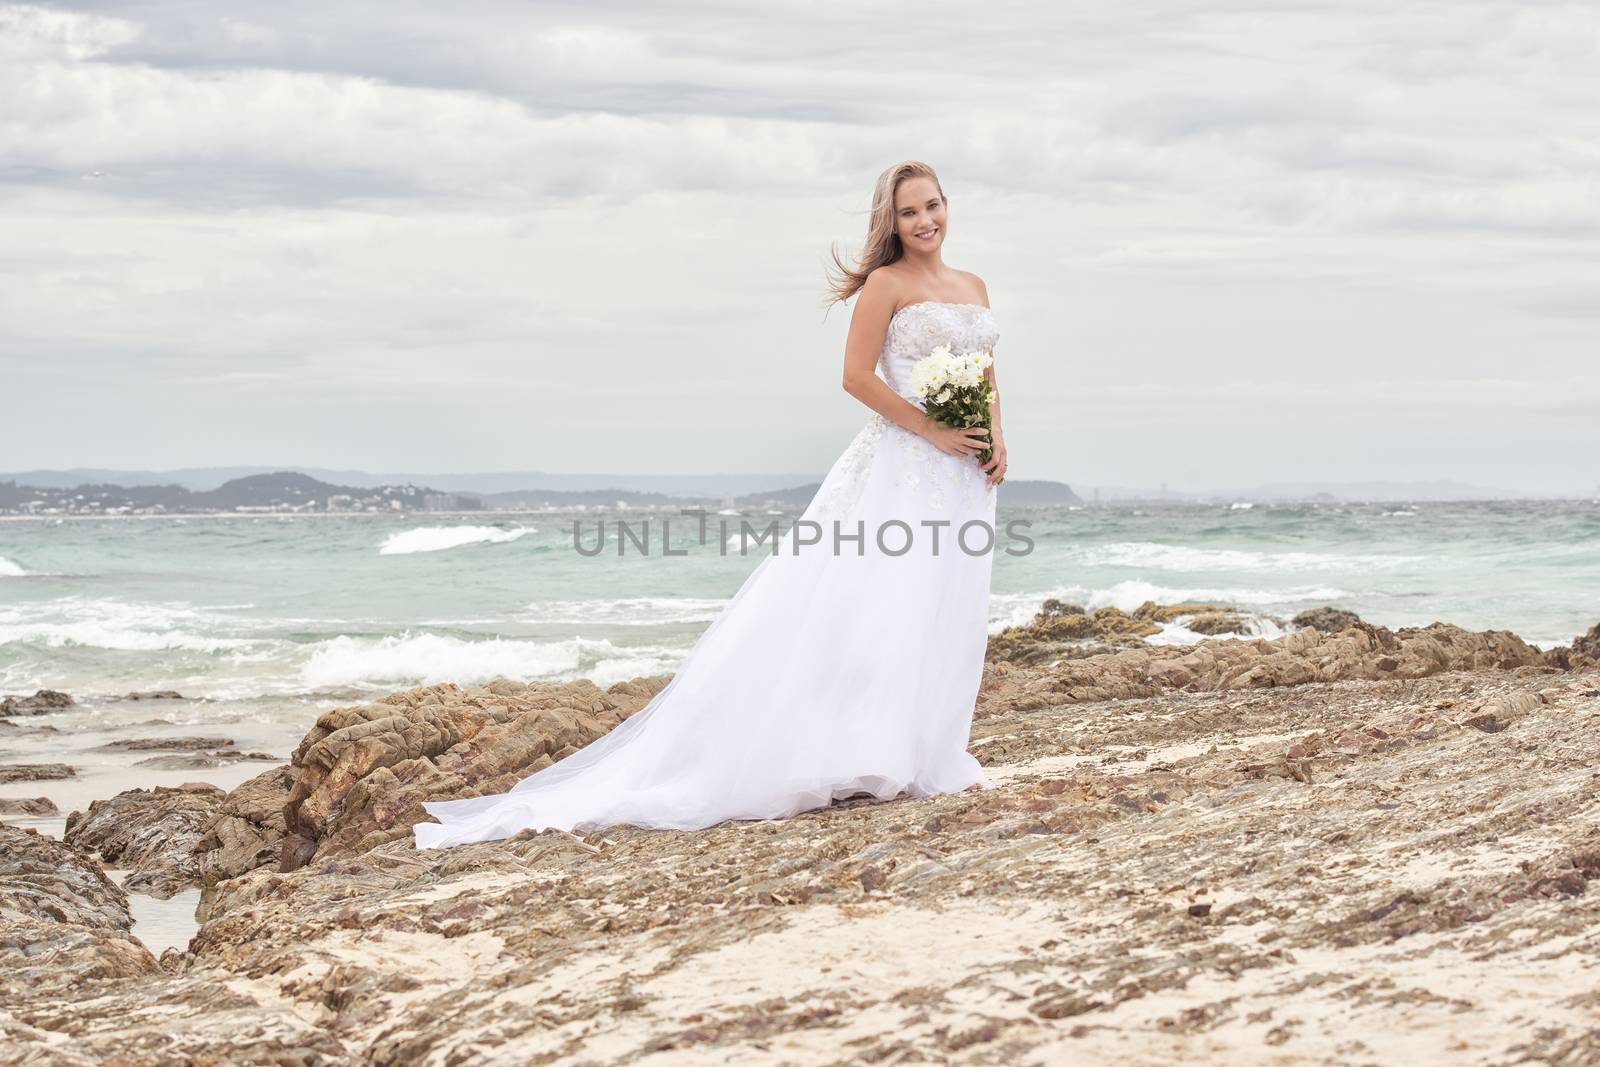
884	286
977	283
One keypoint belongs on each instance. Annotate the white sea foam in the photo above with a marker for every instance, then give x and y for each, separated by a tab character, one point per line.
120	626
425	659
98	635
439	538
1176	633
625	611
1187	558
1019	609
1130	594
8	569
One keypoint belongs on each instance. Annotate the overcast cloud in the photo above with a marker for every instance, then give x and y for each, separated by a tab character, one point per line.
1226	243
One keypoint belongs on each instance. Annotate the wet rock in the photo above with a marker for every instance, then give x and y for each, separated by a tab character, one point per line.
1173	612
153	832
42	701
1582	654
35	772
1061	631
166	744
1219	622
154	694
14	729
192	761
1328	620
12	806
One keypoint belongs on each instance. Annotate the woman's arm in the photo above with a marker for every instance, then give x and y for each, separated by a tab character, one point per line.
995	469
994	404
868	323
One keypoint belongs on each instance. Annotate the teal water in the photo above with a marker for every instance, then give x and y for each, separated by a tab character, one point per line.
267	613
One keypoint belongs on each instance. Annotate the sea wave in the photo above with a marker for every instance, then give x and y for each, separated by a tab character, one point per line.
8	569
625	611
1193	559
1130	594
91	634
426	659
1019	609
439	538
95	622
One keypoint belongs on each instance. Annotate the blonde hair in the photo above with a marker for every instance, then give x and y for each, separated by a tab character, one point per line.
883	243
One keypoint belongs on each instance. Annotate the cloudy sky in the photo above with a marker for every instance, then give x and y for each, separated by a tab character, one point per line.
1226	242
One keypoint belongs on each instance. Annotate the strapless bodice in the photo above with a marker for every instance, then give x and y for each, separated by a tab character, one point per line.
917	329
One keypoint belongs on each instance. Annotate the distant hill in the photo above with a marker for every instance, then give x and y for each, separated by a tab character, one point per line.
285	491
491	483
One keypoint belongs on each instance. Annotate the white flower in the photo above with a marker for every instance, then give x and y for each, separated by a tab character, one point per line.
941	371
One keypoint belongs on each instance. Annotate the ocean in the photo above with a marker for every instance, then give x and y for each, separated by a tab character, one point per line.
262	621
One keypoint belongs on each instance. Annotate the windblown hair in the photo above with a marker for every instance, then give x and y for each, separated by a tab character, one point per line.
883	243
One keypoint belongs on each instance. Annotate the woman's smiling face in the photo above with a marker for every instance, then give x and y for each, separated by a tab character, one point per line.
919	214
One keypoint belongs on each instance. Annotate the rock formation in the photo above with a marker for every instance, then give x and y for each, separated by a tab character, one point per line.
153	832
63	923
45	700
362	773
1361	651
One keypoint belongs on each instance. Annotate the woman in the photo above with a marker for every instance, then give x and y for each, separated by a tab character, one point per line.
846	666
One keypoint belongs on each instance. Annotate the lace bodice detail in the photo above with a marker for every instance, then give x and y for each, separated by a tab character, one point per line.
917	329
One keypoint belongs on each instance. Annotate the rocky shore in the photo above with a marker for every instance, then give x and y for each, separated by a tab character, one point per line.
1342	845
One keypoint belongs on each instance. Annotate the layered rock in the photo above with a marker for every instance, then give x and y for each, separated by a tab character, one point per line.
1327	619
42	702
247	831
1069	631
362	773
1583	653
166	744
63	922
152	832
35	772
1361	651
14	806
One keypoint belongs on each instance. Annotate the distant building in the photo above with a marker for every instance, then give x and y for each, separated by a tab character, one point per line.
450	502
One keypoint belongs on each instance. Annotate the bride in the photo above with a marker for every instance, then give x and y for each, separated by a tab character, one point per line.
849	665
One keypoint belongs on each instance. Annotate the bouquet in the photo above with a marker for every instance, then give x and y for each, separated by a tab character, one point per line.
954	390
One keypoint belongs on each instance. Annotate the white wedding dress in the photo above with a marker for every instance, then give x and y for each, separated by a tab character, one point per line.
828	674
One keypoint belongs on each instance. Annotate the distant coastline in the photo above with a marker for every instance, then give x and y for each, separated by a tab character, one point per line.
294	493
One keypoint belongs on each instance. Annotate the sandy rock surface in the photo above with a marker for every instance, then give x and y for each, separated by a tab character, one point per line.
1300	855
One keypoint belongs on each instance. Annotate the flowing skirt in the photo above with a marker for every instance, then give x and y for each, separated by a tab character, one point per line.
829	673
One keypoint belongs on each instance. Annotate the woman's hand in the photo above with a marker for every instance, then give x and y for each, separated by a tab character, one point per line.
996	467
957	440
